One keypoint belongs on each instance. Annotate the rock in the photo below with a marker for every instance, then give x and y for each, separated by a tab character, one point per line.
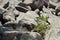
54	21
47	11
57	10
36	36
10	25
14	3
17	35
21	26
9	15
31	13
1	24
25	20
39	4
28	17
29	7
3	29
16	12
53	11
6	5
24	6
35	4
37	10
1	11
3	2
21	9
54	3
1	14
54	31
58	13
15	26
28	2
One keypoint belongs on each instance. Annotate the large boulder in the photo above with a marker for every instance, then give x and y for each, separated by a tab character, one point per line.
20	35
28	17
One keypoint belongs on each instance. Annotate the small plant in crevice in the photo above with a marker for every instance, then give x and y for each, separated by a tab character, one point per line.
42	25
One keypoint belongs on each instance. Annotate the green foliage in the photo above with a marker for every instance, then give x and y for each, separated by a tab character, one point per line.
41	26
42	18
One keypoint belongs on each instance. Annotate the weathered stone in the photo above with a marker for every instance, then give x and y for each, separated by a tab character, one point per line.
11	25
20	35
16	12
1	24
23	6
58	13
14	3
21	9
39	4
9	15
54	3
53	33
28	2
54	21
6	5
28	17
3	2
3	29
21	26
57	10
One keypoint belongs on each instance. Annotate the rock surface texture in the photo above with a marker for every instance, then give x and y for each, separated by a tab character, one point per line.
18	16
53	33
18	35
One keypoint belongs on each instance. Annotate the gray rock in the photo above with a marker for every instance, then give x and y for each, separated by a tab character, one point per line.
9	15
16	12
27	20
53	33
38	4
15	26
10	25
21	26
3	29
1	24
28	2
3	2
23	7
57	10
33	36
6	5
58	13
14	3
1	14
20	35
54	3
28	17
1	11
